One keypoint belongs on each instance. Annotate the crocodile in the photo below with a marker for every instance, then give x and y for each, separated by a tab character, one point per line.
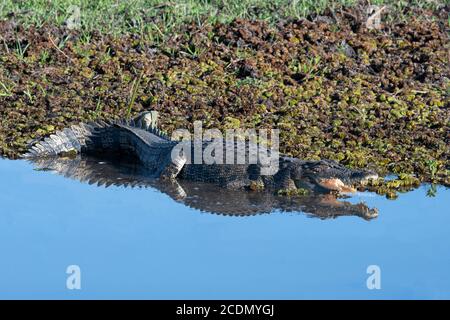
141	139
204	197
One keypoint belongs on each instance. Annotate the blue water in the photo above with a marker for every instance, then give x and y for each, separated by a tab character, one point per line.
139	243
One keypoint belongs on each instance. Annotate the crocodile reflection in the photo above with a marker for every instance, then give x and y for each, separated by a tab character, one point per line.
201	196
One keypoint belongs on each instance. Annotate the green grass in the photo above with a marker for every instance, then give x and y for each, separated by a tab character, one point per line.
6	90
133	94
155	18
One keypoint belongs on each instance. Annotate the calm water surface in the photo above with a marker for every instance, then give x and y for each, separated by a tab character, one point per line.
140	243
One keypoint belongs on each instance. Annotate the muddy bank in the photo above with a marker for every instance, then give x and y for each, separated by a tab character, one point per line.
366	98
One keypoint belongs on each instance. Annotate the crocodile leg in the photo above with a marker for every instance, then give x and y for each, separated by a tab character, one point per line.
173	166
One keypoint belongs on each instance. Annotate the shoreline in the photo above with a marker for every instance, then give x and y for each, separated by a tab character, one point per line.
365	98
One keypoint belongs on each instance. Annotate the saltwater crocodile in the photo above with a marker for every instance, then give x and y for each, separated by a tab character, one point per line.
198	195
141	139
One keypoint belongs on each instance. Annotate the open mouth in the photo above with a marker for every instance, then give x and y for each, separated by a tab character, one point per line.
336	184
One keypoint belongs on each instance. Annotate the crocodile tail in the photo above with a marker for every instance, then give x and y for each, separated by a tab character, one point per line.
71	139
94	138
74	139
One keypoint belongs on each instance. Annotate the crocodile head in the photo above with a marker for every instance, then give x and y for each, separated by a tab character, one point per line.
329	175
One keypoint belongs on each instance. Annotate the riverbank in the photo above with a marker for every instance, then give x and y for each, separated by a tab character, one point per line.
367	98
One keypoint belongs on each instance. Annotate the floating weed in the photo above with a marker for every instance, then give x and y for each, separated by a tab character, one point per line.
432	191
293	192
308	69
432	167
45	130
249	81
390	188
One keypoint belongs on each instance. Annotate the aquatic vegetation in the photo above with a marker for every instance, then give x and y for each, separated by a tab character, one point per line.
433	167
376	99
390	188
293	192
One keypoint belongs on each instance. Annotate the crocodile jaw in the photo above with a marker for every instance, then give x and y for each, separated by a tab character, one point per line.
335	184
